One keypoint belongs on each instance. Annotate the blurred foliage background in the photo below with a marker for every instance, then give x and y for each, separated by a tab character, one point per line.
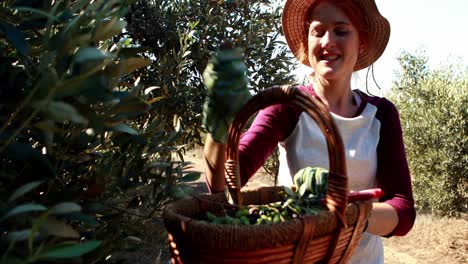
100	100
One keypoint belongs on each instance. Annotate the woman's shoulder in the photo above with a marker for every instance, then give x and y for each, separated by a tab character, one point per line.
381	103
386	112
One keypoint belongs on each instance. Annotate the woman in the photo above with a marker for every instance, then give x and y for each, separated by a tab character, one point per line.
335	38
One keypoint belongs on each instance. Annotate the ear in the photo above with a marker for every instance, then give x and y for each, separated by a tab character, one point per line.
362	46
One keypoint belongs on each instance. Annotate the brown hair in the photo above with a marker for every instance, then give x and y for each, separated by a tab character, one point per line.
351	10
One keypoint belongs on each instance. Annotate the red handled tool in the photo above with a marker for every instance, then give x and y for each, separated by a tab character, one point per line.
361	195
365	195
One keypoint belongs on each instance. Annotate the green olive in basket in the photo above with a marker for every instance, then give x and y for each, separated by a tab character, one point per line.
311	180
242	212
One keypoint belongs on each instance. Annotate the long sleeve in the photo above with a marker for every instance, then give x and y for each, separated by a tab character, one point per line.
393	174
273	124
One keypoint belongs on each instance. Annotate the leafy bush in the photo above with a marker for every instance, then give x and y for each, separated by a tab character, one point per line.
182	35
82	159
433	106
94	124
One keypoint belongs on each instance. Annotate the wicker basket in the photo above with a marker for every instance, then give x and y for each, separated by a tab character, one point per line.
329	237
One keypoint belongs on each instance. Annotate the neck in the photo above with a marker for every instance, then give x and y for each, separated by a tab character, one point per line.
336	94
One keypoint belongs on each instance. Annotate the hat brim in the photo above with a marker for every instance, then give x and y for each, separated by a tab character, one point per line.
294	19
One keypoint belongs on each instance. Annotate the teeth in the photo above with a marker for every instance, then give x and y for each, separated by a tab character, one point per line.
330	57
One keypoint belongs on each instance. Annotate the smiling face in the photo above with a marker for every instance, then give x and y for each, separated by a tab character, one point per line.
333	42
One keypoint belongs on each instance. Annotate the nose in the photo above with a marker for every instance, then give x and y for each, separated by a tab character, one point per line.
327	40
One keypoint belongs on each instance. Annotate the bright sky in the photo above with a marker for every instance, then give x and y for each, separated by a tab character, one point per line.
440	28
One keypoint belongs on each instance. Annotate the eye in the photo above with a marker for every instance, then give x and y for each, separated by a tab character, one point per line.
317	33
341	32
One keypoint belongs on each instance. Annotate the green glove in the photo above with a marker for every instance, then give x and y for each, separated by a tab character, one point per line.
226	80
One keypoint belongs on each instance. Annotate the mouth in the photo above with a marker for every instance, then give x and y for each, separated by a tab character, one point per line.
329	57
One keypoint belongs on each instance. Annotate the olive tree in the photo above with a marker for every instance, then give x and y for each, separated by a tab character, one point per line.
433	105
181	36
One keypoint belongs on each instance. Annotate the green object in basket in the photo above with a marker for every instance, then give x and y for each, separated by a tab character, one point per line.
311	182
225	78
306	199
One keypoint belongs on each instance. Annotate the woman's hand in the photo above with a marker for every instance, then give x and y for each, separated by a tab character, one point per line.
226	81
225	78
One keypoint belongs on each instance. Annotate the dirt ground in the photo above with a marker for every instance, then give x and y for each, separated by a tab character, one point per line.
432	239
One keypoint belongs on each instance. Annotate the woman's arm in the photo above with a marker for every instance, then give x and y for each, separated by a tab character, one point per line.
215	157
271	125
383	219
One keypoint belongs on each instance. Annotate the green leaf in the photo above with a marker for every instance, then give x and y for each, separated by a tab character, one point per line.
289	191
57	228
91	87
110	29
281	42
133	239
62	112
177	123
131	105
16	37
132	243
131	64
66	251
36	225
302	190
38	12
48	80
125	128
11	260
23	190
24	208
86	219
190	177
90	54
125	42
76	6
18	235
288	202
65	208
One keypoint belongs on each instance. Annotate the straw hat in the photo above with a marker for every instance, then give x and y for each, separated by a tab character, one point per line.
296	12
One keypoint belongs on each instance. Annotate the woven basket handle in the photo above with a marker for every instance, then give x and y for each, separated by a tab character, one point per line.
337	191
